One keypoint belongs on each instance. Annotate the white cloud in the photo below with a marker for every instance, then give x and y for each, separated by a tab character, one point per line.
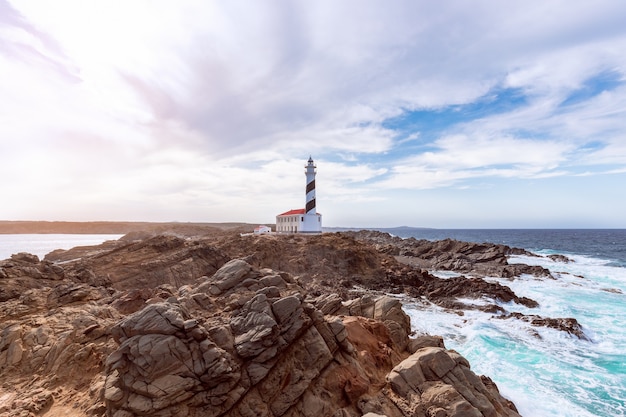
458	158
201	107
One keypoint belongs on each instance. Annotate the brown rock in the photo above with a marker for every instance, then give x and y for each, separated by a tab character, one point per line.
443	400
442	383
165	326
424	341
229	275
25	257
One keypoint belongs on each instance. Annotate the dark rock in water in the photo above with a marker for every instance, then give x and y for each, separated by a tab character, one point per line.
560	258
444	292
472	288
568	325
478	259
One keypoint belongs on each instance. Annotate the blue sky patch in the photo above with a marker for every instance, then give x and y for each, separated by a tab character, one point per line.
431	123
605	81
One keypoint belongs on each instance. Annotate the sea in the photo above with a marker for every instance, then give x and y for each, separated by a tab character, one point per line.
42	244
545	372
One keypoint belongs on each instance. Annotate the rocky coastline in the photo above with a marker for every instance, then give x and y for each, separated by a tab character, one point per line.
224	324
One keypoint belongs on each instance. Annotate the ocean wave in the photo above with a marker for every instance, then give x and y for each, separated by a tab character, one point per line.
546	371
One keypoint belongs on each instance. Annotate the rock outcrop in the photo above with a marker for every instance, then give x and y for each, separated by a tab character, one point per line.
145	263
477	259
179	327
567	325
272	352
441	381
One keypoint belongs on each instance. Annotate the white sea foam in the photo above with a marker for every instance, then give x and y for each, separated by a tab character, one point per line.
547	372
445	274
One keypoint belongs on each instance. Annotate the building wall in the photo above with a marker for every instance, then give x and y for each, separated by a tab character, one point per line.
289	224
312	223
297	223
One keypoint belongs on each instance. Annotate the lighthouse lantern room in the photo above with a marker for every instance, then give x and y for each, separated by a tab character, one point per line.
306	220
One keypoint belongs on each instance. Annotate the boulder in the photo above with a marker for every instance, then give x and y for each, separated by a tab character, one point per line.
255	327
162	318
164	360
423	341
229	275
443	384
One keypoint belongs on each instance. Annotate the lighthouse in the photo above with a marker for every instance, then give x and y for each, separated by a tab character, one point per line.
306	220
312	221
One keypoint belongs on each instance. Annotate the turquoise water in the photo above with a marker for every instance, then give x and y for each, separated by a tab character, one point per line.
546	372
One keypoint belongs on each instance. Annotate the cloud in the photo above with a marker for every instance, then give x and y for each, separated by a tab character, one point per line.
459	158
194	108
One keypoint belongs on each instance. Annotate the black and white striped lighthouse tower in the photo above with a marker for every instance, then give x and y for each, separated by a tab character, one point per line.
312	220
310	187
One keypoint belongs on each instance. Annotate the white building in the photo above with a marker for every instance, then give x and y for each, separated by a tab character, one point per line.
306	220
262	229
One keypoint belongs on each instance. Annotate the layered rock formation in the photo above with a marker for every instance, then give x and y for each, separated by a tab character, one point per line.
224	326
477	259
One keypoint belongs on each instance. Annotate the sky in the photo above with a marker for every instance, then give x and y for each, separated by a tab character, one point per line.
451	114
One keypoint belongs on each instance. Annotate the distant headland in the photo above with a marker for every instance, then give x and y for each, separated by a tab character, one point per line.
114	227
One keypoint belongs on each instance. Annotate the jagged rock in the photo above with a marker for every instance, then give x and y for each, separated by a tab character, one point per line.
229	275
24	272
328	303
271	357
71	293
445	386
445	401
11	349
407	377
569	325
445	291
25	257
147	263
161	363
132	300
165	326
161	318
479	259
255	327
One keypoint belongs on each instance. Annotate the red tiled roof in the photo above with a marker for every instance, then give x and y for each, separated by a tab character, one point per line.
290	212
295	211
